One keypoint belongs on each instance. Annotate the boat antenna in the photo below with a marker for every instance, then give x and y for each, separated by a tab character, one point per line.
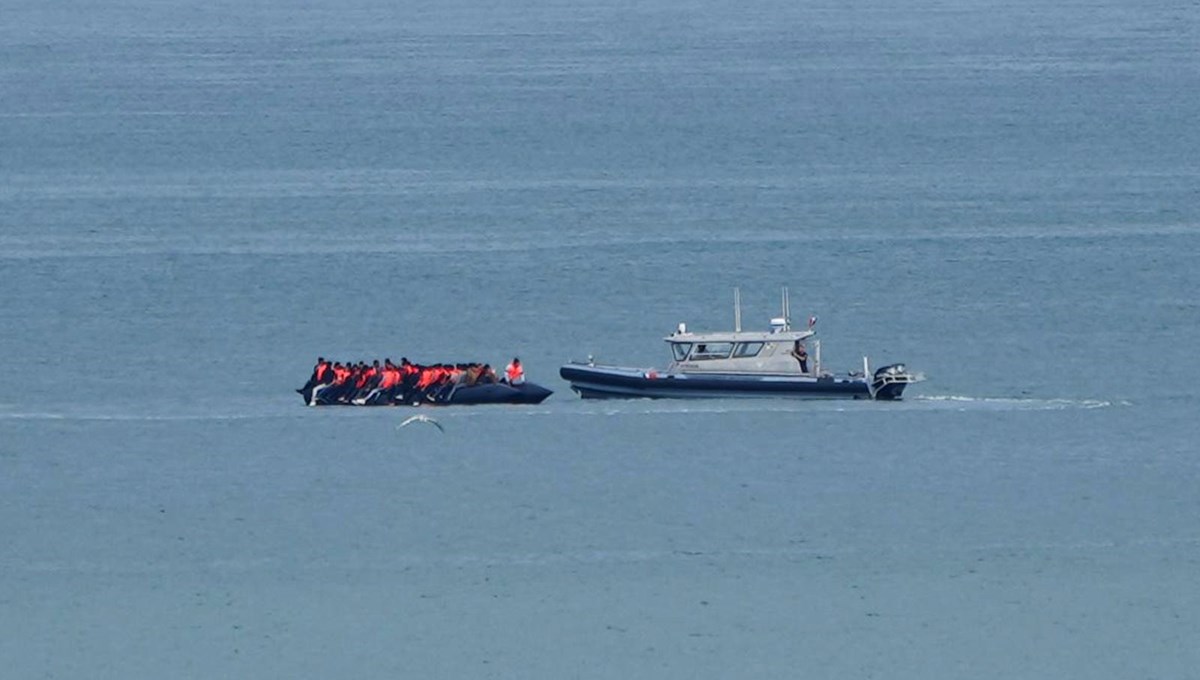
737	310
787	319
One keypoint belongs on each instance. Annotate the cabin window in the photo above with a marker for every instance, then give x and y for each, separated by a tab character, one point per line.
680	350
712	350
748	349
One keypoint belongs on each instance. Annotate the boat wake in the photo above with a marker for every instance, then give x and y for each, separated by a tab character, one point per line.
965	403
650	407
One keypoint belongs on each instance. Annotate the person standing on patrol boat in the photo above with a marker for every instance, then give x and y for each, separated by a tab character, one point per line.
801	355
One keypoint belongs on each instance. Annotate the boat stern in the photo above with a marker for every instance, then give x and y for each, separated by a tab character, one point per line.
888	382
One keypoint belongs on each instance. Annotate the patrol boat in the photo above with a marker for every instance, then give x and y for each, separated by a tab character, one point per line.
770	363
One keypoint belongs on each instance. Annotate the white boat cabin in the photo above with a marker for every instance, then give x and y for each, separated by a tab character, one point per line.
779	352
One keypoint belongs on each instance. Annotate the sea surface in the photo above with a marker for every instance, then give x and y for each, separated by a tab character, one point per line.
198	199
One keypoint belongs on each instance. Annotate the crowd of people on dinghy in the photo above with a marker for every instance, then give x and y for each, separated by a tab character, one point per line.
362	384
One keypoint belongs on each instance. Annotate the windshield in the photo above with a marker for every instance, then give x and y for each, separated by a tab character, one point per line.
680	350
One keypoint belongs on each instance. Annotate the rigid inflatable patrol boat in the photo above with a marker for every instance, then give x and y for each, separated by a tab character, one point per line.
771	363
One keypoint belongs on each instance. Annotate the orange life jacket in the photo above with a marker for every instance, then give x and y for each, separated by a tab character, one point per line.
514	372
390	378
427	377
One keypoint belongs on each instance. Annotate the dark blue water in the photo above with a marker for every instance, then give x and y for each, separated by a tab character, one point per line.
197	200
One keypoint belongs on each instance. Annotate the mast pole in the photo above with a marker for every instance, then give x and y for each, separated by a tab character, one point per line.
787	319
737	310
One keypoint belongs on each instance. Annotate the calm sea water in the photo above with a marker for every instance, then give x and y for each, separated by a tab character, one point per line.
198	199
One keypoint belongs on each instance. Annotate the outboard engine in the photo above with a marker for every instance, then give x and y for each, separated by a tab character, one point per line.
888	382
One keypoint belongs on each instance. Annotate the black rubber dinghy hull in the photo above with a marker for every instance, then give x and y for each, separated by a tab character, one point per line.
492	393
498	393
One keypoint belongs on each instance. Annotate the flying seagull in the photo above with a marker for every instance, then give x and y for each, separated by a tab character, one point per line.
421	419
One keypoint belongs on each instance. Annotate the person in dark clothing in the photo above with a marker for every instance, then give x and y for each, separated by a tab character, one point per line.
331	390
322	374
487	376
801	355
